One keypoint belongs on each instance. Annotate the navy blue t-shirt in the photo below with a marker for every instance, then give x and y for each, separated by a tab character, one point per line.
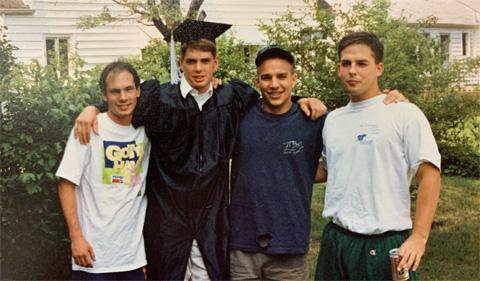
274	166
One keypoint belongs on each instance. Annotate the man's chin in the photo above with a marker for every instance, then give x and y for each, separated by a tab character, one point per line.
353	93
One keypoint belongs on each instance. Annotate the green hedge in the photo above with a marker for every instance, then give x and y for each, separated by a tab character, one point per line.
37	114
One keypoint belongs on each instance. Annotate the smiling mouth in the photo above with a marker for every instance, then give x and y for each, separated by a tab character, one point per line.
124	106
274	95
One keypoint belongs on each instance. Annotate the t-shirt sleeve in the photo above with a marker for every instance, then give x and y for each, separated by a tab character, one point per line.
419	143
75	158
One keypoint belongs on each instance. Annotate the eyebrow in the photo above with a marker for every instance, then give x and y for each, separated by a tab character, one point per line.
349	60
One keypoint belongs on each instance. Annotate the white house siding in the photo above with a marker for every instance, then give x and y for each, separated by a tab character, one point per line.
245	15
456	43
52	18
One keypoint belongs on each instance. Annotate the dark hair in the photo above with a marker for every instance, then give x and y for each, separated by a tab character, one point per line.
117	66
202	44
274	52
364	38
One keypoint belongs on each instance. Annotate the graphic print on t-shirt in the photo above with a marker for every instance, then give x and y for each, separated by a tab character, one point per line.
122	162
292	147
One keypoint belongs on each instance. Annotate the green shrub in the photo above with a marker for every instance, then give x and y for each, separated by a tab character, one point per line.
36	118
460	147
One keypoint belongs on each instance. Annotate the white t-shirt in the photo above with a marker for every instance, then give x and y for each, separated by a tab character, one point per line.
110	174
372	151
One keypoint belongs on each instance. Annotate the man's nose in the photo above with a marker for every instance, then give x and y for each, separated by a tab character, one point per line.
123	95
198	66
352	69
274	83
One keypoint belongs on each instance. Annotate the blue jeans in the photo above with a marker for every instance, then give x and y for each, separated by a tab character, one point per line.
136	274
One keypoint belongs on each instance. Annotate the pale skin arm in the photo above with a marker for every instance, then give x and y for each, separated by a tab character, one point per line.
413	248
85	122
312	107
394	96
82	252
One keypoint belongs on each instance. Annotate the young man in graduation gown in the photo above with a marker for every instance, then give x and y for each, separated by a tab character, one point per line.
193	129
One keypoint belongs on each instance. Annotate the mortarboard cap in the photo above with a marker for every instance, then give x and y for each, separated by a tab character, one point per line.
273	51
191	30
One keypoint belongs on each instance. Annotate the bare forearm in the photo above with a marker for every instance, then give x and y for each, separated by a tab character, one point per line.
321	174
413	248
428	193
66	192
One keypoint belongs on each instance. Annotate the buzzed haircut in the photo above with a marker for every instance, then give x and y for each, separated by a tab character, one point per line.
364	38
114	67
202	44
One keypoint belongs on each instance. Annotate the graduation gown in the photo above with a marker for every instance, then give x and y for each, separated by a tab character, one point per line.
187	182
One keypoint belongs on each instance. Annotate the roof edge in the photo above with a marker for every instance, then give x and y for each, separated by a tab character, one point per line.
17	11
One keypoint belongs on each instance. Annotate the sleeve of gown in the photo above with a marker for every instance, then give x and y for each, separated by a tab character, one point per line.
145	103
245	95
101	106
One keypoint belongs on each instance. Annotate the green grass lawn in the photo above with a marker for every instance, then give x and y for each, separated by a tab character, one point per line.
453	249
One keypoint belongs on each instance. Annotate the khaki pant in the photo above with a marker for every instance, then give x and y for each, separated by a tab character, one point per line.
259	266
196	269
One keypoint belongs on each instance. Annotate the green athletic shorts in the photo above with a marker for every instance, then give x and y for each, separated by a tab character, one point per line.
345	255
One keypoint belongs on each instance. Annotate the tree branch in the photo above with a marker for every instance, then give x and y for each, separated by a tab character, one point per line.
166	32
193	9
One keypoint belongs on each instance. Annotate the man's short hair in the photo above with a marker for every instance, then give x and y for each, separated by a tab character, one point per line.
364	38
114	67
274	52
202	44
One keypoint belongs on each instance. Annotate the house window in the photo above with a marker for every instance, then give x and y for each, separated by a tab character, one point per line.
57	53
445	45
465	44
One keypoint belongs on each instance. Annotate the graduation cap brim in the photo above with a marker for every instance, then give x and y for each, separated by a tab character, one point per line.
191	30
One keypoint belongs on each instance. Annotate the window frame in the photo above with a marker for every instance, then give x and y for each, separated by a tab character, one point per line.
58	38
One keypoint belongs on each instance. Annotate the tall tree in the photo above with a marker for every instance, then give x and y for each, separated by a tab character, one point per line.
165	15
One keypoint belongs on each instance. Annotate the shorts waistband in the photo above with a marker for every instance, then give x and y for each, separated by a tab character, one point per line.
367	236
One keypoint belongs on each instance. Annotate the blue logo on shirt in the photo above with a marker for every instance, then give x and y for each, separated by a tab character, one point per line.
361	137
364	139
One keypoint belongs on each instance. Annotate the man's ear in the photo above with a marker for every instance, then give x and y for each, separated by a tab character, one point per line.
380	68
217	62
104	98
295	79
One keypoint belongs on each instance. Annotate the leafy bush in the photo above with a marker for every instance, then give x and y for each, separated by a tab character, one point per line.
460	147
37	113
6	54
